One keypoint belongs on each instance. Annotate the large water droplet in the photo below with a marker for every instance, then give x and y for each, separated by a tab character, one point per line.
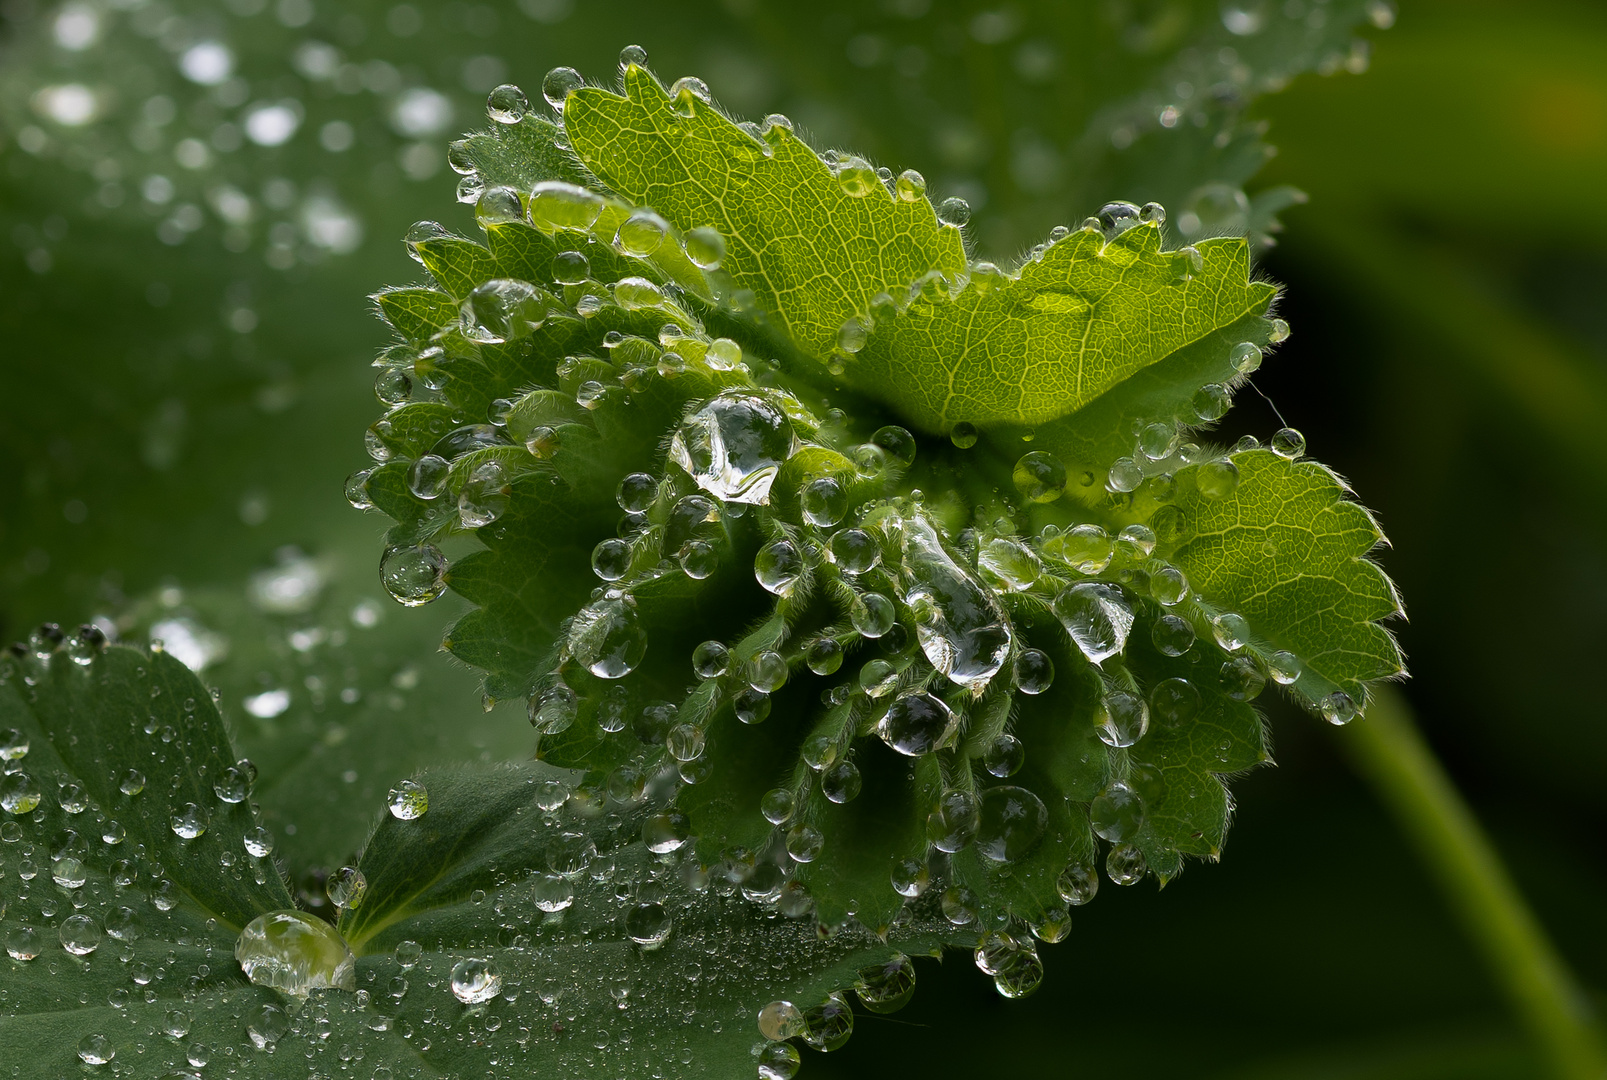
507	104
888	986
414	575
1097	617
475	980
295	953
954	822
557	205
96	1050
733	447
648	924
778	566
958	623
608	637
503	309
1117	813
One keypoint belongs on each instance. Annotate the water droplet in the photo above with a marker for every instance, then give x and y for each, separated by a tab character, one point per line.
778	1061
648	925
733	447
1087	548
1280	331
841	782
1169	586
1077	884
570	268
611	559
1034	671
963	435
916	724
1117	217
346	888
1009	565
558	84
1011	823
1288	443
1125	475
24	943
1172	635
954	211
1121	718
1284	667
259	842
872	614
232	785
553	710
819	751
96	1050
910	186
414	575
958	623
778	566
824	502
426	479
777	805
954	821
1245	357
79	935
1040	477
19	794
781	1020
408	801
1175	701
13	745
507	104
68	873
705	247
1097	617
113	833
1211	402
829	1024
71	797
710	660
295	953
558	205
1158	441
1117	813
1231	631
1125	865
1338	708
503	309
1020	974
607	637
190	822
751	706
667	832
855	551
476	981
1242	679
1004	756
824	656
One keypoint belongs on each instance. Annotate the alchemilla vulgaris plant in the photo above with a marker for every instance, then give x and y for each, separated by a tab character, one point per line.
869	599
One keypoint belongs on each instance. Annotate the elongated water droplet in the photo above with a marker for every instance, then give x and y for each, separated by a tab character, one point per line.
555	204
733	447
1097	617
959	625
607	636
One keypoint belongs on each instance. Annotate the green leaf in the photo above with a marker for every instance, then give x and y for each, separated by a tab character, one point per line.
1289	552
812	253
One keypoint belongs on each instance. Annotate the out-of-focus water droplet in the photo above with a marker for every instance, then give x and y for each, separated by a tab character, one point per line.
1175	701
1243	18
414	576
1040	477
963	435
705	247
1098	618
408	800
13	745
733	447
476	980
607	636
1242	679
805	843
555	204
1217	479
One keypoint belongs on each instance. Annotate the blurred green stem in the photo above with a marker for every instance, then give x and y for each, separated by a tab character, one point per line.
1391	754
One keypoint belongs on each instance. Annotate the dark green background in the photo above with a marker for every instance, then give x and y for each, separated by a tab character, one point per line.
1446	285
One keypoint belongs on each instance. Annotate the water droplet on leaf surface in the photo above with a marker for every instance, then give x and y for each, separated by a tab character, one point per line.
733	447
476	981
295	953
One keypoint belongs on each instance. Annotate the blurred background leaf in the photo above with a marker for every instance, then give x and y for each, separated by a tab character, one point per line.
183	389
